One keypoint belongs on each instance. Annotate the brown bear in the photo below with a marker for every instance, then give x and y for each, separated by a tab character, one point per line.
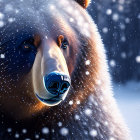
54	80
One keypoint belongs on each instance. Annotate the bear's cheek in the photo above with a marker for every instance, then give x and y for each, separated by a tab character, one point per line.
19	62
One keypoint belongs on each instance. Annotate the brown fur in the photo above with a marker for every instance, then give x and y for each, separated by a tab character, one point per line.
21	109
83	3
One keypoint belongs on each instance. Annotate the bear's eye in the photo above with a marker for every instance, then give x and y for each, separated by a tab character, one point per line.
28	46
63	42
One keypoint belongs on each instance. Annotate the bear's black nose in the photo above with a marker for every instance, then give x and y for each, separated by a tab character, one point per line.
57	83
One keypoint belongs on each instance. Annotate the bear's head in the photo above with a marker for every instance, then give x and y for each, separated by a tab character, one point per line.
46	48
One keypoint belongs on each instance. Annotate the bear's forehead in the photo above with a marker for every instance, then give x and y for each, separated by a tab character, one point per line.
42	15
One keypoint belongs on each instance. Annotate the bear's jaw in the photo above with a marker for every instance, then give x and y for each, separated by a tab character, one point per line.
51	101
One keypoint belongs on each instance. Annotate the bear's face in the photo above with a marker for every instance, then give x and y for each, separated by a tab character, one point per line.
42	44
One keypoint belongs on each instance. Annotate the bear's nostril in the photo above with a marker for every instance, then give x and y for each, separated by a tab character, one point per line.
57	83
64	86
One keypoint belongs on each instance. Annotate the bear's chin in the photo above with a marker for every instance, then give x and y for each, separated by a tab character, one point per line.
50	101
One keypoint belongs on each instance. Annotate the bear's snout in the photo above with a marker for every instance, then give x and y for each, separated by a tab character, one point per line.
56	83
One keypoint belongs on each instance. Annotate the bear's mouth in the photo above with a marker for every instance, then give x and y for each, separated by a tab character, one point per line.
52	100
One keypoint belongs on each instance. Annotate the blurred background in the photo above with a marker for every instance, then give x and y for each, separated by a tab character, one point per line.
119	25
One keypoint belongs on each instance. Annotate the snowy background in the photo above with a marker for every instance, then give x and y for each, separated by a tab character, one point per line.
119	24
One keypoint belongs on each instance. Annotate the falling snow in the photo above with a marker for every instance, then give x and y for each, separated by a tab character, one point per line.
64	131
87	72
70	102
93	133
112	63
138	59
88	112
45	130
87	62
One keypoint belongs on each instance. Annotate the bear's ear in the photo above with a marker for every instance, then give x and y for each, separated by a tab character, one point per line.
83	3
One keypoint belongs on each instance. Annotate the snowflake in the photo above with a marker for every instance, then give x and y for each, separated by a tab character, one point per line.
1	24
37	136
45	130
8	7
122	26
71	20
120	8
87	72
115	17
77	117
123	55
138	59
78	102
105	30
24	131
70	102
2	56
112	63
93	133
97	124
123	39
11	20
16	135
87	62
127	20
88	112
138	16
108	11
106	123
64	131
59	124
111	138
52	7
1	15
9	130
